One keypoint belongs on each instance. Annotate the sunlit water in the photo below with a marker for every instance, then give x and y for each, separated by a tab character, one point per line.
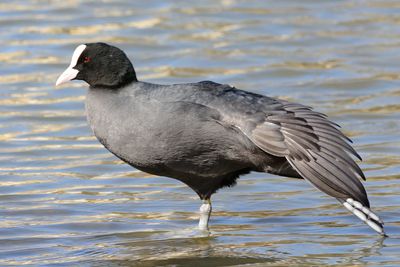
64	200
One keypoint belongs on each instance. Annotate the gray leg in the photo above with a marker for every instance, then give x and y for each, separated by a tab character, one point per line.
205	212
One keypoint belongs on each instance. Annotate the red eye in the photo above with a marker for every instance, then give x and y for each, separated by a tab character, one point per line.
86	59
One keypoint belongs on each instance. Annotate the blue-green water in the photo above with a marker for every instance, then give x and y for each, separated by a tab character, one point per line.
64	200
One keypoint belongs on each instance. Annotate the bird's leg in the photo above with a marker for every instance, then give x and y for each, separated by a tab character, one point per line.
205	211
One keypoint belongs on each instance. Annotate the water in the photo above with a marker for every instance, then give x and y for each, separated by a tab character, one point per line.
64	200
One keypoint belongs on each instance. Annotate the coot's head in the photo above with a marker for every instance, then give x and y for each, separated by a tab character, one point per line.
100	65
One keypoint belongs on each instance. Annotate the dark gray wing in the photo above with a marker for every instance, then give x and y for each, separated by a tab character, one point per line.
314	147
317	150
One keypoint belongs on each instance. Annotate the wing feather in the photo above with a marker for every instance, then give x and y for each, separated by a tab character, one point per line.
315	148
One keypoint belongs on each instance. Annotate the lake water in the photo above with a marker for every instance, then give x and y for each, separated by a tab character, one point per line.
65	200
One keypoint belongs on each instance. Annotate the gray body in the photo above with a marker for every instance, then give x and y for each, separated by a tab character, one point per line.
207	134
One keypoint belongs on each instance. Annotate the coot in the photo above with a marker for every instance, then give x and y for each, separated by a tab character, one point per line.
207	134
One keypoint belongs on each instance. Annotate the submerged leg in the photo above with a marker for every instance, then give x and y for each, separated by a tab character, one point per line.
205	211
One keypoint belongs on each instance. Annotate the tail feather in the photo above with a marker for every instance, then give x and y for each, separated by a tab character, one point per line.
364	214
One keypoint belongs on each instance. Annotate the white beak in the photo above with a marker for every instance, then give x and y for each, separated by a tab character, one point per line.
66	76
70	73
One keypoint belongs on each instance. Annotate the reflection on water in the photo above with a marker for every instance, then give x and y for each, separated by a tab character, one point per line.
66	200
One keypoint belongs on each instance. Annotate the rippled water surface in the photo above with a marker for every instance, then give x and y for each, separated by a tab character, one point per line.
64	200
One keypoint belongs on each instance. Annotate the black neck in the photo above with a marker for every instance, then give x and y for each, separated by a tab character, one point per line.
114	80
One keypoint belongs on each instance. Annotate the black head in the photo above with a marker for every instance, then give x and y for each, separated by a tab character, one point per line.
100	65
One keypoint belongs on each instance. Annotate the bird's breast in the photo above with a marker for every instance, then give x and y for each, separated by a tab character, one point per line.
129	128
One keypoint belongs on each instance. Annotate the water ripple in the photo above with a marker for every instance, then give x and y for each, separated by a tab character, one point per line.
64	200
